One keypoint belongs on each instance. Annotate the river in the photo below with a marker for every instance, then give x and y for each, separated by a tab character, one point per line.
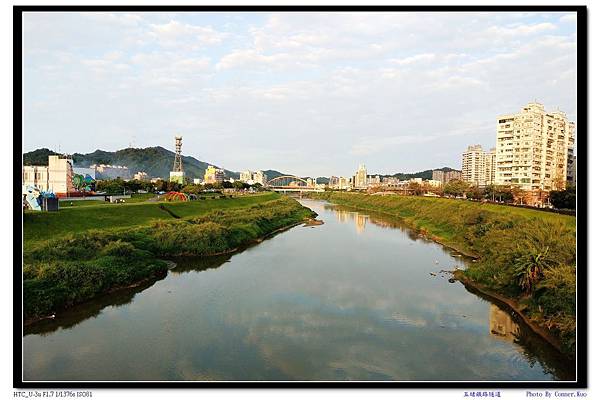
357	298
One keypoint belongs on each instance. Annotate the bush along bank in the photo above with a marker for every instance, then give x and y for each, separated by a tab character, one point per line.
76	268
524	255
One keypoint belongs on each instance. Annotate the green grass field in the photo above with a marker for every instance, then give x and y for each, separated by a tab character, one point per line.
41	226
135	198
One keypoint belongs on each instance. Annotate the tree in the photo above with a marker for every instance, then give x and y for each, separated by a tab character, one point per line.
192	189
518	194
111	186
227	185
456	188
416	188
161	185
565	199
473	192
173	186
239	185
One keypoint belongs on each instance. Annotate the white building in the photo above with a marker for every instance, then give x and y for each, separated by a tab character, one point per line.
473	165
490	167
36	176
104	171
532	148
260	177
57	177
360	178
141	176
246	176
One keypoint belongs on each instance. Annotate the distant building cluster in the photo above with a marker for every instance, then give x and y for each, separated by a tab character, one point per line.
252	177
361	181
104	171
534	152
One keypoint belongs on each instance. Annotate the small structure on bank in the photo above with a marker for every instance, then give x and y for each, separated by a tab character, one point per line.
176	196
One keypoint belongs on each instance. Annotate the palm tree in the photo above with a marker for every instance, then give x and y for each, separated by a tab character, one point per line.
530	266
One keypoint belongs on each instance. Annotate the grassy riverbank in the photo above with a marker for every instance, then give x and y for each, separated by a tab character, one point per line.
42	226
124	249
523	254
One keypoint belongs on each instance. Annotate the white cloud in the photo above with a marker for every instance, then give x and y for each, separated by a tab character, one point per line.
521	30
569	18
177	34
381	88
419	58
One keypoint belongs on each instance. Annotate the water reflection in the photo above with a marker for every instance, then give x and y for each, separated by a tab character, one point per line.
354	298
90	309
502	325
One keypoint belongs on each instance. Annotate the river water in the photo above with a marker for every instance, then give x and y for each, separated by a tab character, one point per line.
357	298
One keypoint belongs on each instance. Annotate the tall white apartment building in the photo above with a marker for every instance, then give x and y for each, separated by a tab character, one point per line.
473	165
490	167
360	179
532	148
260	177
245	176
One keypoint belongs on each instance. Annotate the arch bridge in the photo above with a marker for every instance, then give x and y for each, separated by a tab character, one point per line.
292	183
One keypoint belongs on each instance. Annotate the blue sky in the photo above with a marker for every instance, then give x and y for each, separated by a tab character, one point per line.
306	93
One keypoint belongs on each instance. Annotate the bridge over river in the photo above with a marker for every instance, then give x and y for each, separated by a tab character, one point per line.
291	184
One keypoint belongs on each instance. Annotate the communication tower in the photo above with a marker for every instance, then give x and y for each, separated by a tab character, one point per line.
178	165
177	175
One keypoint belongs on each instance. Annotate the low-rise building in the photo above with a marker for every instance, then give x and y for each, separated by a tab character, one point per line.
36	176
57	177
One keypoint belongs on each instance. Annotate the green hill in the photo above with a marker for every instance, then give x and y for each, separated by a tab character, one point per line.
427	174
155	161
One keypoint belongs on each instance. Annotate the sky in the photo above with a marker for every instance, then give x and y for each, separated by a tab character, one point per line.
313	94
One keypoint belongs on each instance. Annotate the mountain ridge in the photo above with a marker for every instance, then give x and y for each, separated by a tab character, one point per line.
155	161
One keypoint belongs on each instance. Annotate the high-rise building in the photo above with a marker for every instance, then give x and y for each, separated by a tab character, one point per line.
246	176
260	177
452	176
214	175
490	167
373	180
532	148
446	176
473	165
344	183
360	179
571	168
